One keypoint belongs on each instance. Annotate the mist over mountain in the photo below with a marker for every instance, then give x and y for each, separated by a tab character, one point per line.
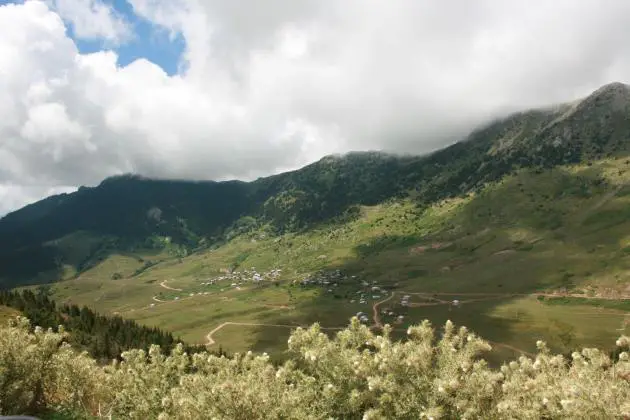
129	211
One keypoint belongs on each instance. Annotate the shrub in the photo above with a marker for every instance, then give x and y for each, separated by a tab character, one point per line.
355	375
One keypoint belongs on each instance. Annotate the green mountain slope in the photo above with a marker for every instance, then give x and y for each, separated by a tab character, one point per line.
38	242
525	223
562	232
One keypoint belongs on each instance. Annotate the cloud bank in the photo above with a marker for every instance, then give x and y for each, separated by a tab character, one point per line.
269	86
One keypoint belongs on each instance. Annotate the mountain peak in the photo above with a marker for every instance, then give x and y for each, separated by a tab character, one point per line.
613	87
612	91
615	95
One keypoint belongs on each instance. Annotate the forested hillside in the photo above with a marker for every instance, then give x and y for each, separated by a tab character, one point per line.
105	338
64	235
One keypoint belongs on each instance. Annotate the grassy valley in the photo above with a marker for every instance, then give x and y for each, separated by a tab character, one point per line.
519	232
497	251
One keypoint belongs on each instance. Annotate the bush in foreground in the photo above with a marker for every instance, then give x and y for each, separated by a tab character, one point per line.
356	374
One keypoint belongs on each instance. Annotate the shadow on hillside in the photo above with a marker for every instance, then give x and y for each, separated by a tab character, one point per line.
41	264
30	266
533	232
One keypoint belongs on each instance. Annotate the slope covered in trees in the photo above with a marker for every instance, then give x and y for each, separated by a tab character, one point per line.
127	212
104	337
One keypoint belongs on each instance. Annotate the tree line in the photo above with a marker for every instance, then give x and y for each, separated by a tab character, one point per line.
103	337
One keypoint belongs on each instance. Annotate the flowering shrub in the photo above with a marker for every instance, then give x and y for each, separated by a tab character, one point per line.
356	374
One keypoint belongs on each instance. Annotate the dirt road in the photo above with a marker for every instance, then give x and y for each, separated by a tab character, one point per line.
163	284
375	315
210	341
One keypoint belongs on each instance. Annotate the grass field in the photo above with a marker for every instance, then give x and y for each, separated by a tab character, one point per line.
7	313
565	231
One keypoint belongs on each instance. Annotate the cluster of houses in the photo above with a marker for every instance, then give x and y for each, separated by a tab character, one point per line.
390	313
362	317
325	278
239	277
375	292
335	278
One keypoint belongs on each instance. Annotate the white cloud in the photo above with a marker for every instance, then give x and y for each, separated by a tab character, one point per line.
93	19
16	196
280	83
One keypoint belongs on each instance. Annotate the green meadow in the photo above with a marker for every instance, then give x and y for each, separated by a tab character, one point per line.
564	231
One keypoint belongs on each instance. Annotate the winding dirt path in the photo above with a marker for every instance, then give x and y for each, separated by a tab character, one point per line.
430	296
508	295
507	346
163	284
278	306
210	341
155	298
479	297
375	315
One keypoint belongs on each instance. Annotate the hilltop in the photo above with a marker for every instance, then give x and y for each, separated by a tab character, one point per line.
523	223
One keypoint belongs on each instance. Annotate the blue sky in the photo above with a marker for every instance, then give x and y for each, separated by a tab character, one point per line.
149	40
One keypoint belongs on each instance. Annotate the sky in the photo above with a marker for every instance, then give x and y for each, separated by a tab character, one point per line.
223	89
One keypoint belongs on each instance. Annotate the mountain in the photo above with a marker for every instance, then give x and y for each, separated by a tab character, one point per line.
125	213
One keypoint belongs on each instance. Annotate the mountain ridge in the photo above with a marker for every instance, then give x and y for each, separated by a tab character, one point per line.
130	210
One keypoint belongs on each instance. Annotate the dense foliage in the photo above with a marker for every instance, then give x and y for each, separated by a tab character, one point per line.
103	337
356	374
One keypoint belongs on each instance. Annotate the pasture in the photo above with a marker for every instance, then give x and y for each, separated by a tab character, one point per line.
565	231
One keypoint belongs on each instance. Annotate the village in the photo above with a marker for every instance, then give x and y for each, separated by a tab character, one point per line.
335	283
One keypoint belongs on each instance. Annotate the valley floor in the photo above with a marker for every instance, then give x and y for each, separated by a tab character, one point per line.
535	256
